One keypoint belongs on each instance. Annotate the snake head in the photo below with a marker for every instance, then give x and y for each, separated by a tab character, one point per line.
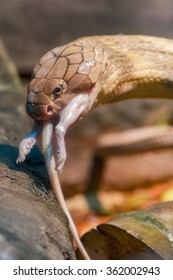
61	74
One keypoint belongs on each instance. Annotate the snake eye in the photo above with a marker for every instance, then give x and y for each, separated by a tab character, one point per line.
57	91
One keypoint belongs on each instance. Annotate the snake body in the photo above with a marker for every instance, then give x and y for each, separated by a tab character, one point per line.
112	68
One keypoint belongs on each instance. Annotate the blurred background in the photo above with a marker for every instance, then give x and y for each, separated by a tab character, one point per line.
31	28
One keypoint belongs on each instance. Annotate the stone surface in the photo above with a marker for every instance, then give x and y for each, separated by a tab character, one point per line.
138	235
31	223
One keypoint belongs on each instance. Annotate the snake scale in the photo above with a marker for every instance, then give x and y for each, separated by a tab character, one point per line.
71	80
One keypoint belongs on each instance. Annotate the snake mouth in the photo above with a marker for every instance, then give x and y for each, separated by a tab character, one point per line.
40	107
41	112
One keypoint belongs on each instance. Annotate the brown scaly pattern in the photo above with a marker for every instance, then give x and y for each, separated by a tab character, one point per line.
119	67
77	66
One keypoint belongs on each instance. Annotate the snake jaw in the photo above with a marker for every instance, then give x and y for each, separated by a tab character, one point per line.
40	112
40	107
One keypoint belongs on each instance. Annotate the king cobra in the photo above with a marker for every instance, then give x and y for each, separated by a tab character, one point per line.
71	80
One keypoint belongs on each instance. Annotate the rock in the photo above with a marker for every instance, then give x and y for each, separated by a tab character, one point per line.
32	224
138	235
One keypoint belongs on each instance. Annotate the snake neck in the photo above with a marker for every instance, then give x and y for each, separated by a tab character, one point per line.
135	67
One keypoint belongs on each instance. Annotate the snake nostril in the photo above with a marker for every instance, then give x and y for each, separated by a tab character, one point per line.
49	109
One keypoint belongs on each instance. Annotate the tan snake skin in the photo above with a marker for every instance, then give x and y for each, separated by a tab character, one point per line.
115	67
